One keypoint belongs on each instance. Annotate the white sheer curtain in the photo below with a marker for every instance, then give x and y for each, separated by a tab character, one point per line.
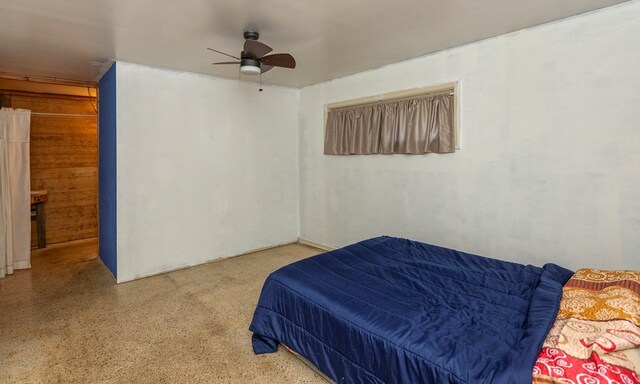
15	191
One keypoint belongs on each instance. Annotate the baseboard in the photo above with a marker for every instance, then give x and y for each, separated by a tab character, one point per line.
316	245
180	267
68	243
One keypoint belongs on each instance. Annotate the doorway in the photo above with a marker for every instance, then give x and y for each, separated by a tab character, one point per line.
64	163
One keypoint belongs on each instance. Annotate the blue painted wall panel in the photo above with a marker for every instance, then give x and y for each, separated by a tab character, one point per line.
107	171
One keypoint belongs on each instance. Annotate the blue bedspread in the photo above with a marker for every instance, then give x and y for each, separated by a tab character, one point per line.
390	310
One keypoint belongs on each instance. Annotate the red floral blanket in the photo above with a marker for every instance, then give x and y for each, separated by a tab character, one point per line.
597	325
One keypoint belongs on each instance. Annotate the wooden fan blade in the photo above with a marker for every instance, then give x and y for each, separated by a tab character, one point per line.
256	49
226	54
226	62
284	60
266	68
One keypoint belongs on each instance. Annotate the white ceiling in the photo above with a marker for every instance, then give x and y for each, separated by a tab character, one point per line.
73	39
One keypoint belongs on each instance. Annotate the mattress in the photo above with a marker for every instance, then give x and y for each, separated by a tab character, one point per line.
392	310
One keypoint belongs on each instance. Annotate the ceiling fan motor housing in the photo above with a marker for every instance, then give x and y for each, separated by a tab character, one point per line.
251	35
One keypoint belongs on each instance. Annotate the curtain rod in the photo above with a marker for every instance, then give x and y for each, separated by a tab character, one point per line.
62	114
383	100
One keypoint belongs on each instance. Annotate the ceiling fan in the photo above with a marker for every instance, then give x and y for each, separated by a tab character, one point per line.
254	60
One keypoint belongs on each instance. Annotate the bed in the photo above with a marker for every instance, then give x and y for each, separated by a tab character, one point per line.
392	310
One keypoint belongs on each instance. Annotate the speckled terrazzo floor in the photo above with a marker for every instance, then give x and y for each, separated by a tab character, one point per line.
66	321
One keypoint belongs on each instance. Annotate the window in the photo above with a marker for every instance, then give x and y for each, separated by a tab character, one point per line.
418	123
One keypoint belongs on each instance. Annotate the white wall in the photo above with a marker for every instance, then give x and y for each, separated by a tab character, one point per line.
549	168
207	168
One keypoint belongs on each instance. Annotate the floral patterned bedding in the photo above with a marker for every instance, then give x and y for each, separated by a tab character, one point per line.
596	333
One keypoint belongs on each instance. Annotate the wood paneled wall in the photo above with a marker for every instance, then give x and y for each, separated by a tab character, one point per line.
64	161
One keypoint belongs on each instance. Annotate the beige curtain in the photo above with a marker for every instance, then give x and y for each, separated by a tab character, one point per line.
413	126
354	131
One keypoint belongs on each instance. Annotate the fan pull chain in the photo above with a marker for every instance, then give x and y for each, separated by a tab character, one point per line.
260	90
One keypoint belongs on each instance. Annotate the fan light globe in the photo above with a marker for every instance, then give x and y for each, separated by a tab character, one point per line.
249	70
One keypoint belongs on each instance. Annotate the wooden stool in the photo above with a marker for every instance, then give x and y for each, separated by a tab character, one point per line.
38	198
